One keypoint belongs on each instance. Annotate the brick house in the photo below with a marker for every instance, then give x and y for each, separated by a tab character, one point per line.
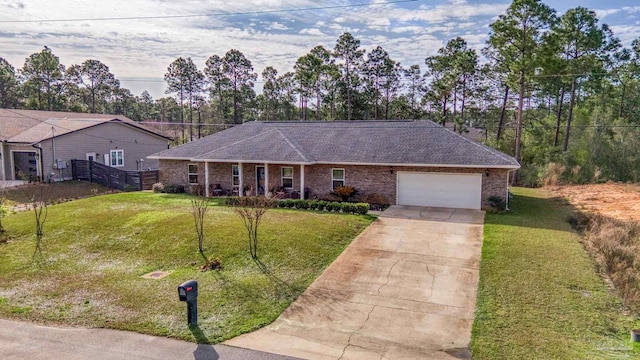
408	162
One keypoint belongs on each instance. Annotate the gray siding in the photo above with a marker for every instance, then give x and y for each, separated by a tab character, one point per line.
101	139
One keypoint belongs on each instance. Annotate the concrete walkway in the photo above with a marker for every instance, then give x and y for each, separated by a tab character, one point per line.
404	289
22	340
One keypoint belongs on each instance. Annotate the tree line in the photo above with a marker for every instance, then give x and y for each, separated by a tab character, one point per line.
551	89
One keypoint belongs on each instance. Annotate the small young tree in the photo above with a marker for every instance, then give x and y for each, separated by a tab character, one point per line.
199	206
3	212
251	209
38	197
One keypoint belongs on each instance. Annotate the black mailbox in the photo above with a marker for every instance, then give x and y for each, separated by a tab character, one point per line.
188	291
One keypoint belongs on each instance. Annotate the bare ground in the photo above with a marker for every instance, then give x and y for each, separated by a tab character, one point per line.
615	200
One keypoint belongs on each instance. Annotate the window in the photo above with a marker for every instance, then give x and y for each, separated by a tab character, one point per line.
235	176
193	173
117	158
337	178
287	177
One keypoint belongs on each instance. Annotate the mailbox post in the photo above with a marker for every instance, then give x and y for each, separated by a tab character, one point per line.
188	292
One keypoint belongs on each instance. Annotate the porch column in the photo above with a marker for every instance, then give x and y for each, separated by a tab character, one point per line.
2	161
302	182
266	179
206	179
241	182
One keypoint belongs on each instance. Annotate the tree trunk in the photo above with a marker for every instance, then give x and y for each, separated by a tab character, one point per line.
565	146
624	88
558	116
503	112
444	111
318	96
514	180
235	102
348	91
464	97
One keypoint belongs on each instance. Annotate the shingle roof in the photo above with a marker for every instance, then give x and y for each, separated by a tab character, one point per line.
30	126
419	142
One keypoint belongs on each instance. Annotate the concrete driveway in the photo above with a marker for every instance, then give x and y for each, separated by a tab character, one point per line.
404	289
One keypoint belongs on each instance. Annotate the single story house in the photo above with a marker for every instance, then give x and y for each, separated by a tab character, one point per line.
408	162
41	144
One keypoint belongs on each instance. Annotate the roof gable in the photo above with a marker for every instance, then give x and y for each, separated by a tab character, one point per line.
31	126
357	142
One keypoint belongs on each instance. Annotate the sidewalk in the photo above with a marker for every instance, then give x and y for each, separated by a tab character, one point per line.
23	340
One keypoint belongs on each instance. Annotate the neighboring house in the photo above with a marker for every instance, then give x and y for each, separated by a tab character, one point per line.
41	144
409	162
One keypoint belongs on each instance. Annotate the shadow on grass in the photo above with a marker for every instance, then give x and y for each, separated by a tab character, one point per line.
282	289
536	212
280	284
204	351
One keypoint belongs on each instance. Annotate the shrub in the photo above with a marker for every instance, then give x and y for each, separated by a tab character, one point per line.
377	201
334	206
301	204
174	188
361	208
497	203
344	192
158	188
232	201
322	205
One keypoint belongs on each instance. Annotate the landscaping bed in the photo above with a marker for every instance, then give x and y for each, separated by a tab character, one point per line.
540	295
96	250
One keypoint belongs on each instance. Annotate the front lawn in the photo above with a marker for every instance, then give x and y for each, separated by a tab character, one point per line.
96	249
539	295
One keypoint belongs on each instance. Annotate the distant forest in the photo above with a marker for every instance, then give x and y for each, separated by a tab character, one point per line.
557	91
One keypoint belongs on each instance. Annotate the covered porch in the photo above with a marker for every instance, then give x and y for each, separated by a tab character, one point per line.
251	179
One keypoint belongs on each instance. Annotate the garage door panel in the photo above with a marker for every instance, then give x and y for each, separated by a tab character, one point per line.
440	189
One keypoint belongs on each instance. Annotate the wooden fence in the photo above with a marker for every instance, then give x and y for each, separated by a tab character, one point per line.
113	178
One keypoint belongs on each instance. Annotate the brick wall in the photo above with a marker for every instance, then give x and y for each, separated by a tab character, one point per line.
366	179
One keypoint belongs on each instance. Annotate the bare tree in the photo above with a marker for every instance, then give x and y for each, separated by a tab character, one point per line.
3	212
251	209
38	197
199	206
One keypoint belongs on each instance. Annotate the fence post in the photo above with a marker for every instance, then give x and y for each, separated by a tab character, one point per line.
90	171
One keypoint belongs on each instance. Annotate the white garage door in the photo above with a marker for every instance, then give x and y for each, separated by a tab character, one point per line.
440	190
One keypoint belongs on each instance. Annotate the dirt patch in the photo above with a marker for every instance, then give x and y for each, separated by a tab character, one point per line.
617	201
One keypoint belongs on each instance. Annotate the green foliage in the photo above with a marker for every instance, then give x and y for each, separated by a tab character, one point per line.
174	189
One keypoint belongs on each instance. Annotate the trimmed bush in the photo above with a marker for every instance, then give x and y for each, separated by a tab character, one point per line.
174	189
158	188
318	205
377	201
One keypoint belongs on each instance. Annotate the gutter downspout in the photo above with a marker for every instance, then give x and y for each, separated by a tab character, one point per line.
40	167
3	158
507	194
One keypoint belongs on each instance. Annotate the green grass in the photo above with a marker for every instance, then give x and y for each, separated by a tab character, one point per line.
539	295
96	249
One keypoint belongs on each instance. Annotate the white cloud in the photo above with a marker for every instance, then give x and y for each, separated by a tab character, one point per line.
312	31
277	26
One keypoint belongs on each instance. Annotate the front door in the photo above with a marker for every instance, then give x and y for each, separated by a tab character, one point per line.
259	180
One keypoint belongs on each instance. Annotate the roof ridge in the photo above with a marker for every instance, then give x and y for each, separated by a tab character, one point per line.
486	148
293	146
237	142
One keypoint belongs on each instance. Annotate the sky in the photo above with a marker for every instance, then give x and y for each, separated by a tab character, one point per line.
269	32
